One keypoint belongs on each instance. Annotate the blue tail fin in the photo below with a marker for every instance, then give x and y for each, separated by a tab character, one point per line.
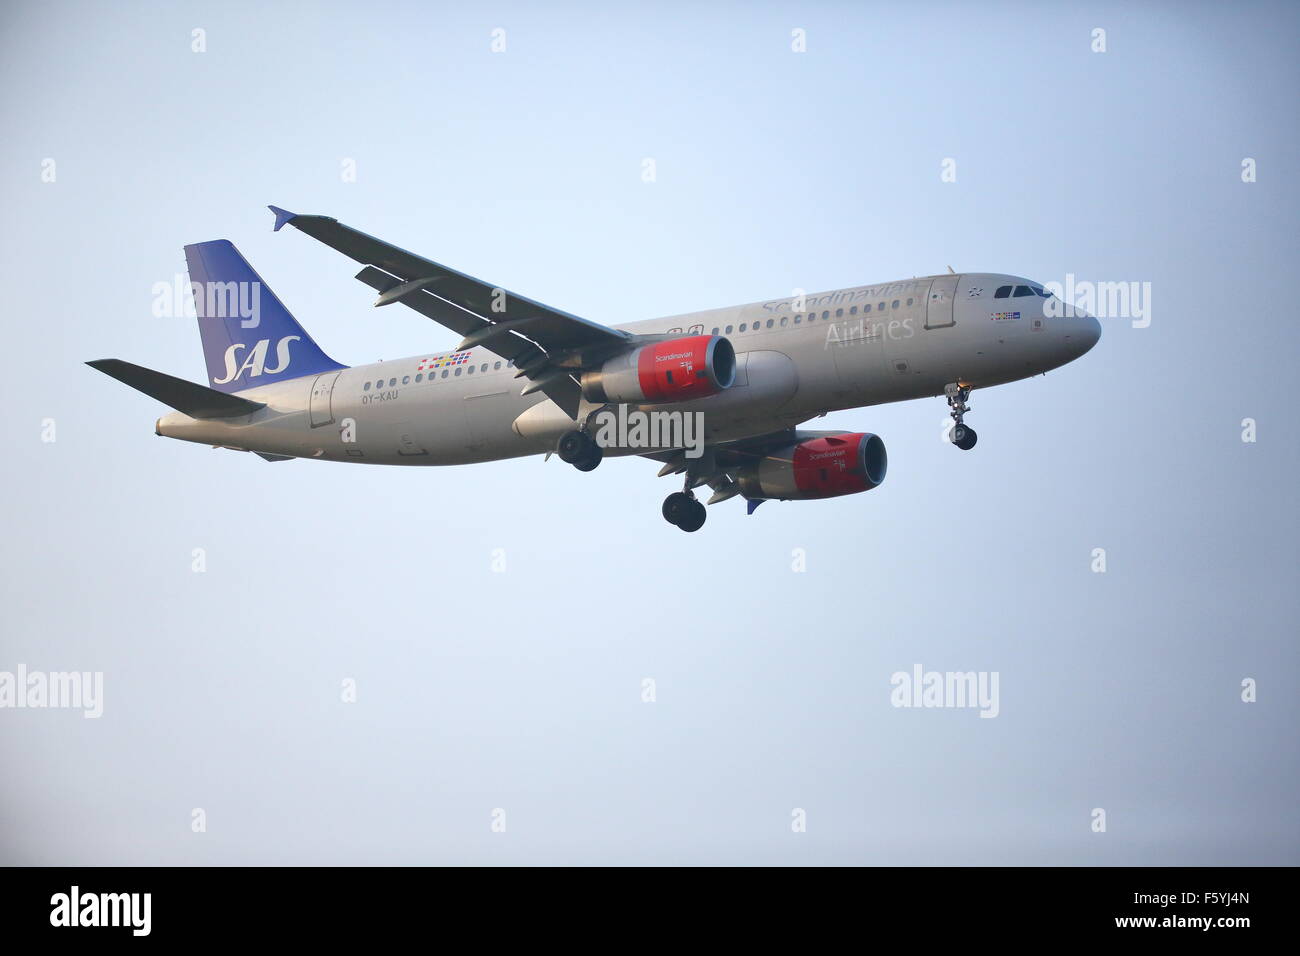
249	337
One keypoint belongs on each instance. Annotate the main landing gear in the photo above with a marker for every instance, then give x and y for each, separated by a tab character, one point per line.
681	507
684	510
579	450
962	435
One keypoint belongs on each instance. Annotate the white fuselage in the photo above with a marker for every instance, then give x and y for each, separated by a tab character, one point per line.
795	360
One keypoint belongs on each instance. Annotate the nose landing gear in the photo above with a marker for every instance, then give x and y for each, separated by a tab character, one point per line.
962	435
578	449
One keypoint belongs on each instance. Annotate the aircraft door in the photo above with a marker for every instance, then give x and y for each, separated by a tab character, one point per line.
322	395
938	310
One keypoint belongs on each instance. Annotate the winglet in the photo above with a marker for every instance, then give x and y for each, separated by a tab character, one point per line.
752	503
281	216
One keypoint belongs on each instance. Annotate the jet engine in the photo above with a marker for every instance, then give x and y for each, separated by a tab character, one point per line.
675	370
824	467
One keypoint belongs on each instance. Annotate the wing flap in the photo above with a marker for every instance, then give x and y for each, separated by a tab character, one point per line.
561	389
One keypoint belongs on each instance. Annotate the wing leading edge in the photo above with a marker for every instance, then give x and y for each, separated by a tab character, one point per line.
545	344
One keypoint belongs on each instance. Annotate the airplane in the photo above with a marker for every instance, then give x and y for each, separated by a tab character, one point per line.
528	379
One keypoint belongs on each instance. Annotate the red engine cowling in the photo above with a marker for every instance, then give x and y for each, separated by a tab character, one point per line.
673	371
817	468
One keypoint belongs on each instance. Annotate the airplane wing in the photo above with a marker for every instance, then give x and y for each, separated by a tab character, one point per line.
545	344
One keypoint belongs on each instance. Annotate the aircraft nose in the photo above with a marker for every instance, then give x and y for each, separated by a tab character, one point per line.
1090	333
1083	332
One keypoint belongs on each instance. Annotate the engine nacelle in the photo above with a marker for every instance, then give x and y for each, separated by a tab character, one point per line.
677	370
817	468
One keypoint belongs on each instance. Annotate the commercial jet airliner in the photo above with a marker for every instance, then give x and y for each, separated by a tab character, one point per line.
528	379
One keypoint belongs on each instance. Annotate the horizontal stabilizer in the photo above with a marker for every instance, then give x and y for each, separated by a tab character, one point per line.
196	401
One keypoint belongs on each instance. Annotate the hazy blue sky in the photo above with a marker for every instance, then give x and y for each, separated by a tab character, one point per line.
522	690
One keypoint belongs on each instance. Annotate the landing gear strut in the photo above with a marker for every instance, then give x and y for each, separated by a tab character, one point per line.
962	435
684	510
578	449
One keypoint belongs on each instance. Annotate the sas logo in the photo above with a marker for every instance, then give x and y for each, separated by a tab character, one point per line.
255	361
1004	316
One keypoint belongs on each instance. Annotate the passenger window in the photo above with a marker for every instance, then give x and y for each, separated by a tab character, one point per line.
742	326
444	373
392	382
783	320
797	320
909	301
728	330
853	311
1022	290
496	367
866	308
839	313
419	378
470	369
366	387
458	370
881	307
769	323
826	314
715	330
379	384
1003	292
483	367
406	380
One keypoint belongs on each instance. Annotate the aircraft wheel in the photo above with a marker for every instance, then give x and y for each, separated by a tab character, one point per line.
694	518
591	461
676	507
574	446
964	437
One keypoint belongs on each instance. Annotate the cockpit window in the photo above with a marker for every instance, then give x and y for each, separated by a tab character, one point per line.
1023	290
1003	292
